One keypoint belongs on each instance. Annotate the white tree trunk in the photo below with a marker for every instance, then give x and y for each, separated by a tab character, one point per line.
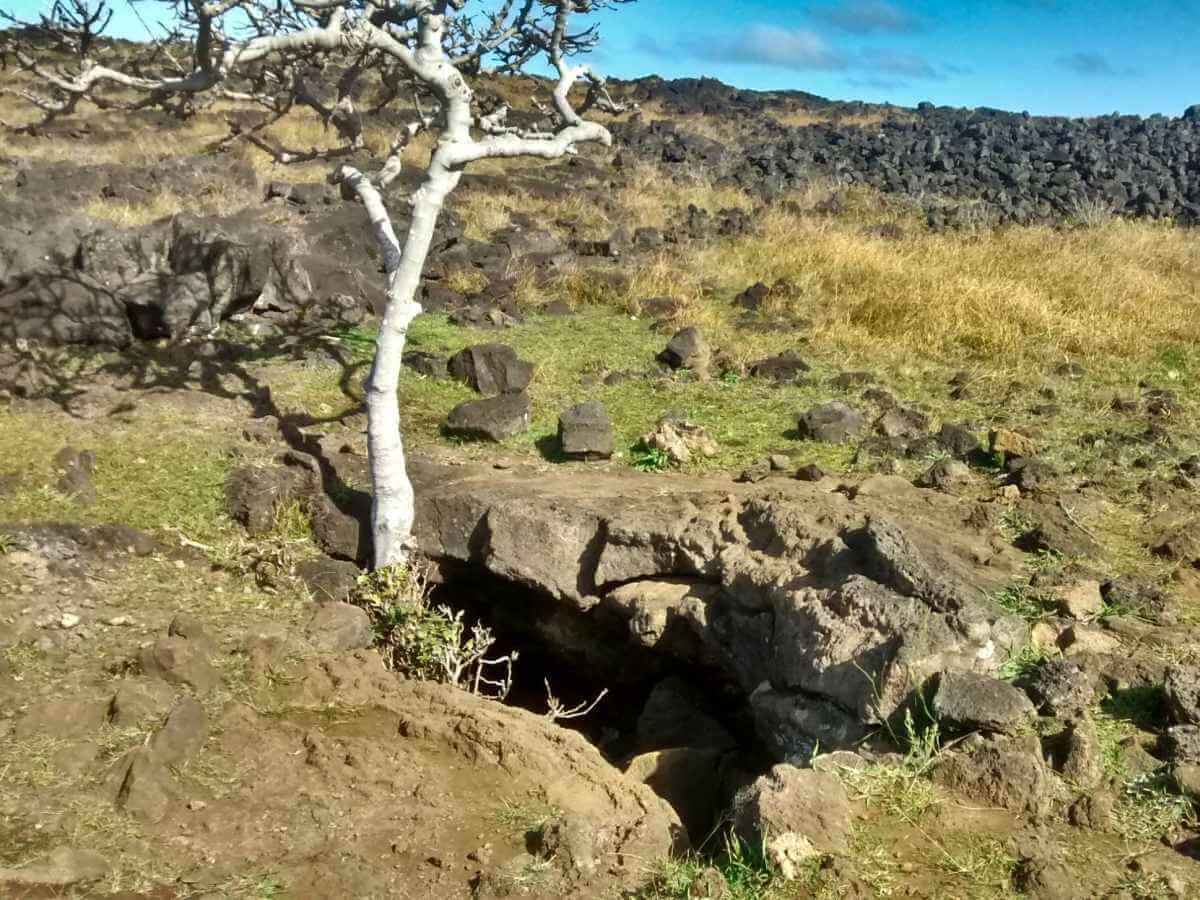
415	34
392	503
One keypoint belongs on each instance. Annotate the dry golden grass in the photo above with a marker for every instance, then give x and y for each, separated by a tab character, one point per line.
151	145
466	281
1120	289
1004	296
1125	289
649	199
799	118
485	211
217	200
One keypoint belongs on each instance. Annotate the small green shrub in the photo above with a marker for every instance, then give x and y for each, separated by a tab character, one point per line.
427	642
648	459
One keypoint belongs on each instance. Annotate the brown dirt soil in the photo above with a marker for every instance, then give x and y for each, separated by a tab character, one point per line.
315	775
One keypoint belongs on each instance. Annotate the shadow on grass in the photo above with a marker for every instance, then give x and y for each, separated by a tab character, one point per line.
1143	707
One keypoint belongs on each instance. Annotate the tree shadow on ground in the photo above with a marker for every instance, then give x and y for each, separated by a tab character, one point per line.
220	367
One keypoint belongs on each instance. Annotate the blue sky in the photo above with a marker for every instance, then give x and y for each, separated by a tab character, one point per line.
1051	57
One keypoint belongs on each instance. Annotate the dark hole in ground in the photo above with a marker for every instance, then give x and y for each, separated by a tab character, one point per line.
581	654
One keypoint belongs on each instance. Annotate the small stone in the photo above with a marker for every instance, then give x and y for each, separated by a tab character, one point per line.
686	350
179	661
1029	474
779	462
755	472
139	700
959	440
197	805
1079	600
1083	766
585	432
1082	639
1010	492
786	368
431	365
901	422
337	627
681	440
119	621
945	475
68	621
831	423
181	735
810	472
1011	443
1060	687
965	701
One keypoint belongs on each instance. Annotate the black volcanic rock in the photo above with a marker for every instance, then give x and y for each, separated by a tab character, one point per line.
1011	167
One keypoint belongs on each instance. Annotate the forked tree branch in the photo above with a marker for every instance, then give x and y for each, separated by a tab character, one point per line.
431	44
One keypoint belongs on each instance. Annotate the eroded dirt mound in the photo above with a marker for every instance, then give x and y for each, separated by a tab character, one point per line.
208	753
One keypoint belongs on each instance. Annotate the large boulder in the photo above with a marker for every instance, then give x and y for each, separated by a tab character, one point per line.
1003	772
1183	695
965	701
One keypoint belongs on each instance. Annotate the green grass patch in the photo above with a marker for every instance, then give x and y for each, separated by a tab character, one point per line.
1026	661
749	418
983	864
1025	601
1147	811
154	469
739	872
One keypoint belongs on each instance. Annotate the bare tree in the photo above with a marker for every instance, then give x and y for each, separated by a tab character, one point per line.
263	52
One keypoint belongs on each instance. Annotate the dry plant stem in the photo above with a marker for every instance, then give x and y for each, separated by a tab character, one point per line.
555	711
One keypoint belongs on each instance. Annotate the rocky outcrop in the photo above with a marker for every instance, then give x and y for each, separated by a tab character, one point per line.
67	278
829	607
825	605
